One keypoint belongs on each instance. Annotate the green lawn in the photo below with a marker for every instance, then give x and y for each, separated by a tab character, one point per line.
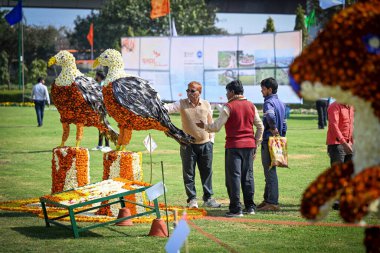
25	172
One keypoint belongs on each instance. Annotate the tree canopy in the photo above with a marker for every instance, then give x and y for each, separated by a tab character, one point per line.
300	24
128	18
39	43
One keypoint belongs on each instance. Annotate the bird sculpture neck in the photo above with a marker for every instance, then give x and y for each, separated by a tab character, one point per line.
115	73
67	76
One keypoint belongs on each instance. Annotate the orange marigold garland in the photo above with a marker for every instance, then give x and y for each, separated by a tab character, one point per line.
70	168
324	189
361	191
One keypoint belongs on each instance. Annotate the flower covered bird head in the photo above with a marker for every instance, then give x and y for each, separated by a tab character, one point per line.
69	69
63	58
114	61
344	59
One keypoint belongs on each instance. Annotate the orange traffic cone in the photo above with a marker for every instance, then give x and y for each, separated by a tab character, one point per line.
159	228
124	212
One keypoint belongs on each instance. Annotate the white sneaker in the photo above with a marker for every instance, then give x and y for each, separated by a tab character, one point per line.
97	148
193	203
106	149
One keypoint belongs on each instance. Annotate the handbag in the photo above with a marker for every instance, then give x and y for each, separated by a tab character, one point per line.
278	150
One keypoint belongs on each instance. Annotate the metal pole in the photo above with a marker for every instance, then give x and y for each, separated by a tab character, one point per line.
166	206
92	51
19	55
22	64
170	21
150	155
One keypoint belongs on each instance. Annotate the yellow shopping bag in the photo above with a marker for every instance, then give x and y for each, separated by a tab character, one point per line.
278	150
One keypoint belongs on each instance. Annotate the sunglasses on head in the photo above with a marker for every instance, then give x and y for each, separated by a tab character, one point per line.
192	91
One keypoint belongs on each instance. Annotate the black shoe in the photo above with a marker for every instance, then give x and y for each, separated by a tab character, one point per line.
238	214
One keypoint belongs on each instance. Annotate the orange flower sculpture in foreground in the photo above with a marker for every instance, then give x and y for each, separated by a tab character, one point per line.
133	103
78	99
344	62
70	168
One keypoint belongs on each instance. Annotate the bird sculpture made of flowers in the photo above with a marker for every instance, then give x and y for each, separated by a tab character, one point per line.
133	102
344	62
79	99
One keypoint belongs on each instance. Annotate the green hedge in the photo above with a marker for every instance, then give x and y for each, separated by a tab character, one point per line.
15	96
12	96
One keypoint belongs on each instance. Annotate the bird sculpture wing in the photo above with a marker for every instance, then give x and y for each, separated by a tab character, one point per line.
136	95
92	93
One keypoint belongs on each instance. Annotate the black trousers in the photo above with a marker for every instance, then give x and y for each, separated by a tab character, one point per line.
100	141
322	105
201	155
239	171
337	154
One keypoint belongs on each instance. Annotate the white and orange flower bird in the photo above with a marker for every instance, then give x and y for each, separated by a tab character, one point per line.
344	62
134	103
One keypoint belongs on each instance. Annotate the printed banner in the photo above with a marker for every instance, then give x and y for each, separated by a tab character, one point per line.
170	63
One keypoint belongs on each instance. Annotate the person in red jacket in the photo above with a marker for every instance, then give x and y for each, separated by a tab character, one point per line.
339	135
238	116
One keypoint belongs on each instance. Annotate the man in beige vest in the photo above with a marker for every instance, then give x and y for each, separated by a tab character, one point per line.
192	110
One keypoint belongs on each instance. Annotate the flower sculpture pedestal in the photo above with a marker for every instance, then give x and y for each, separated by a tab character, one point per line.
70	168
126	165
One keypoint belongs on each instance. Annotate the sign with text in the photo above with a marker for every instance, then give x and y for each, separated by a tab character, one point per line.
170	63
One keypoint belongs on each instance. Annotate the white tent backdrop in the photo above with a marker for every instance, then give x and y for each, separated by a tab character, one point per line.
170	63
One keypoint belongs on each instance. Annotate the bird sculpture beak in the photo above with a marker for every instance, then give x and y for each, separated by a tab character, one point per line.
96	63
52	61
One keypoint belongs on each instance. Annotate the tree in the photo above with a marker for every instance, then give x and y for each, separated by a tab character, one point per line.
300	24
269	27
39	43
4	71
323	16
128	18
38	68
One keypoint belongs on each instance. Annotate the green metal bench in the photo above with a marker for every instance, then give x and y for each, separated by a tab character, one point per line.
71	210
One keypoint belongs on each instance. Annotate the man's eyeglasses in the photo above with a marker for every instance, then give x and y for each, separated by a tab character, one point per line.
192	91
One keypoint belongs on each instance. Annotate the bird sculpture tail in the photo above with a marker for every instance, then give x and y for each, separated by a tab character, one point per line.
180	136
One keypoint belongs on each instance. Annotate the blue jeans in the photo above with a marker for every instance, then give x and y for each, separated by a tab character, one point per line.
39	105
200	154
270	173
239	170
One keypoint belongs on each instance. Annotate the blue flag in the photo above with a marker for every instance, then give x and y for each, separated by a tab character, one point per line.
15	15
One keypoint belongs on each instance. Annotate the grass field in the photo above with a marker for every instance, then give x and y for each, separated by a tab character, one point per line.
25	172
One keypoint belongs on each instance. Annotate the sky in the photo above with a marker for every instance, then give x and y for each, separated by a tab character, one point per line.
233	23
